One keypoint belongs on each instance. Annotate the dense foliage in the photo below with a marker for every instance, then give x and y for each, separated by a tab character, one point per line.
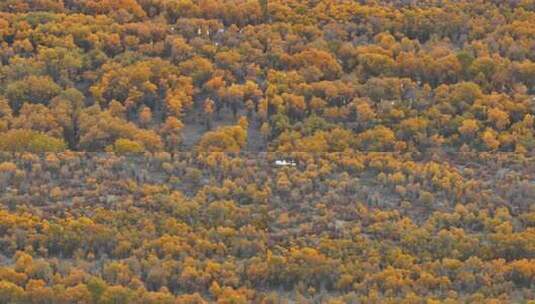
160	75
255	151
337	228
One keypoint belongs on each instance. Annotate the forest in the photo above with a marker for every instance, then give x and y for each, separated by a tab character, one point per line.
267	151
232	228
132	76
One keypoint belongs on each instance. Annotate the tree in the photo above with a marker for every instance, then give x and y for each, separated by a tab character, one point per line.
37	291
6	115
490	139
10	293
469	128
525	72
78	294
208	108
223	139
99	129
39	118
126	146
178	47
376	64
365	113
498	118
145	116
34	89
190	299
171	132
117	295
61	64
66	108
30	141
96	287
234	96
198	68
379	138
177	101
325	62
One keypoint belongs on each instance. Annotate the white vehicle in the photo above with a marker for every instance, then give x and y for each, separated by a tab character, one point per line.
285	163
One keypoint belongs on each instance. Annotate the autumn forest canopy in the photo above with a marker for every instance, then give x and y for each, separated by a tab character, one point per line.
267	151
248	75
233	228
